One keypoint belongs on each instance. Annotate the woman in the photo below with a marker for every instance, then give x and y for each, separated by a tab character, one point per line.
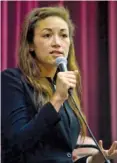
40	124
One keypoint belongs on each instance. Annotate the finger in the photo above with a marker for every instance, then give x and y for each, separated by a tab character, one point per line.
112	148
71	85
66	76
69	72
72	72
73	81
76	72
113	155
74	155
101	144
116	144
69	76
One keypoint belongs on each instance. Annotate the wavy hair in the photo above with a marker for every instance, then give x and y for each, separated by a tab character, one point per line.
30	66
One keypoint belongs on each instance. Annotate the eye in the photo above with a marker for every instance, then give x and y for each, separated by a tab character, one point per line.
47	35
64	35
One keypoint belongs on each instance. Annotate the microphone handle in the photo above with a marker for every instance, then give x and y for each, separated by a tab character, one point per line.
77	106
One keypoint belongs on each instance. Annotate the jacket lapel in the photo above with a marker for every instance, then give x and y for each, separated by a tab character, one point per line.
65	135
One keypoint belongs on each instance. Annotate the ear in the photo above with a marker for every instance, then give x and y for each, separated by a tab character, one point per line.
31	47
31	50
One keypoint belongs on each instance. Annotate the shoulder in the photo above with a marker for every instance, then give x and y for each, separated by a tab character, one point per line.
11	77
12	72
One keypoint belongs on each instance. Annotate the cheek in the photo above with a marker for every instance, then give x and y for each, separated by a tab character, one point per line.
41	47
66	45
40	43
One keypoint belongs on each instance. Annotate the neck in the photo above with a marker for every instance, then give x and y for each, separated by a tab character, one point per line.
47	71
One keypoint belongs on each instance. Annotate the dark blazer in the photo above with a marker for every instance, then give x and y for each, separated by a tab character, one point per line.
29	136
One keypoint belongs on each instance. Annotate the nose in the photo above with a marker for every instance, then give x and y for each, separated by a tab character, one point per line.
56	41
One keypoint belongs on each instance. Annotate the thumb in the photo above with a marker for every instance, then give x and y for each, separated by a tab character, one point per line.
76	72
101	144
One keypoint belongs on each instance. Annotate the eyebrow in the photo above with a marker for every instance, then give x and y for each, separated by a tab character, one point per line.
49	29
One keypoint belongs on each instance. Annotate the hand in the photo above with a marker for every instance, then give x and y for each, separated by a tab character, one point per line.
111	153
75	155
65	80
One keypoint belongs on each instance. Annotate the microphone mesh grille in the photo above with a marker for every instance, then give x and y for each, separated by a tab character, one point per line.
60	60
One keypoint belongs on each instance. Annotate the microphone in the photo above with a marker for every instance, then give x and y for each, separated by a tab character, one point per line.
61	62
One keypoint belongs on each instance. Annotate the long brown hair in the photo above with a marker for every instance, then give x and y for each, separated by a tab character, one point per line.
29	66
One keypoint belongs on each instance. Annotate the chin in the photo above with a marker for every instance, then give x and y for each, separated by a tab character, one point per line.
52	62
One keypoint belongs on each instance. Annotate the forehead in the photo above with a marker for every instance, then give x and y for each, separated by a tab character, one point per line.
52	22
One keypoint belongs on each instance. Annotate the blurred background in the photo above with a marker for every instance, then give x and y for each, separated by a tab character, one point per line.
96	51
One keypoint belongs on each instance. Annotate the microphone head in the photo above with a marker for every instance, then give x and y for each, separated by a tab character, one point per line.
61	63
61	60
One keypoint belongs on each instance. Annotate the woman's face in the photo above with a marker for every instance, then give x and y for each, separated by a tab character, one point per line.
51	40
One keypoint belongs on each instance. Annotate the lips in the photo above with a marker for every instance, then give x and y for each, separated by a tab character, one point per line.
56	52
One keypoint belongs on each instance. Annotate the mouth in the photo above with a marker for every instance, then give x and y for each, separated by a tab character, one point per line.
58	53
